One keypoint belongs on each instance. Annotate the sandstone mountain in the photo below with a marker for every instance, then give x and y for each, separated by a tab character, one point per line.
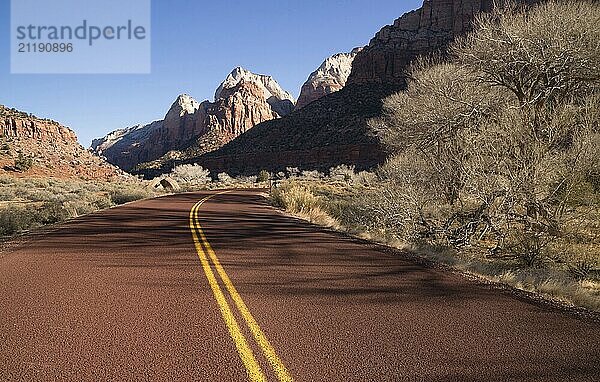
31	146
280	100
333	129
127	147
330	77
243	100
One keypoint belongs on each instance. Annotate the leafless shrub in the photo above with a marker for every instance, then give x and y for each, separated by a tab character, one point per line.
224	178
342	172
438	115
192	174
581	269
246	180
398	205
292	172
364	178
490	149
312	175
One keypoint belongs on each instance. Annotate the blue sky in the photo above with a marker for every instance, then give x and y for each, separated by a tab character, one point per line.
195	44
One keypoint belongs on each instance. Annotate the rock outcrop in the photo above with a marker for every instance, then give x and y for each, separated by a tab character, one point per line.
16	124
426	30
330	77
280	100
243	100
51	149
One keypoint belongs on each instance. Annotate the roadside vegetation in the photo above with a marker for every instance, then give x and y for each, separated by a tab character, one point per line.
27	204
495	157
193	177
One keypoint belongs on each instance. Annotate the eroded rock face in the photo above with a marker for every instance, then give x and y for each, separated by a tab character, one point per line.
52	148
279	100
330	77
267	84
130	146
237	109
243	100
423	31
15	124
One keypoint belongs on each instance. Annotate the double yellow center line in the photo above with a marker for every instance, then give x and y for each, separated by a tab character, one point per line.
205	252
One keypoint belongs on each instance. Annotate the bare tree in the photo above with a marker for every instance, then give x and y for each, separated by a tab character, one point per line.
193	174
443	106
504	135
544	56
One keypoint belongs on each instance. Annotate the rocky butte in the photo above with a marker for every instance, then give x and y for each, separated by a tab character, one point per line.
51	148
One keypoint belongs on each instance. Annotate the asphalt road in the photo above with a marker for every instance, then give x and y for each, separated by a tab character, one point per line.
230	290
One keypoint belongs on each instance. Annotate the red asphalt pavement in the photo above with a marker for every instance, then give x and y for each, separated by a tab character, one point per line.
121	295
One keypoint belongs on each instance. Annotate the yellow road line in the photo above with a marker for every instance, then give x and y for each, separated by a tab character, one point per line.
252	367
260	338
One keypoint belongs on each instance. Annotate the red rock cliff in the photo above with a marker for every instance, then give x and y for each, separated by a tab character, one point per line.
14	124
52	148
423	31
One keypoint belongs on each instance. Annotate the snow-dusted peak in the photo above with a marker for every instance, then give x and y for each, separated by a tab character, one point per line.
269	86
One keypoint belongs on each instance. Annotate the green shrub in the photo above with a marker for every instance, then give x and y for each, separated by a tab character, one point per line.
594	181
50	213
7	194
14	219
23	163
263	176
33	203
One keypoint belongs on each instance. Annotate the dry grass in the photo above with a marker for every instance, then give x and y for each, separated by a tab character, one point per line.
297	199
323	202
27	204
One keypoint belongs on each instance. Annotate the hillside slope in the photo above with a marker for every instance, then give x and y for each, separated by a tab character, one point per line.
36	147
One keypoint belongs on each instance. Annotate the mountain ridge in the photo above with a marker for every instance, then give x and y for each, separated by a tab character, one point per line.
242	100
